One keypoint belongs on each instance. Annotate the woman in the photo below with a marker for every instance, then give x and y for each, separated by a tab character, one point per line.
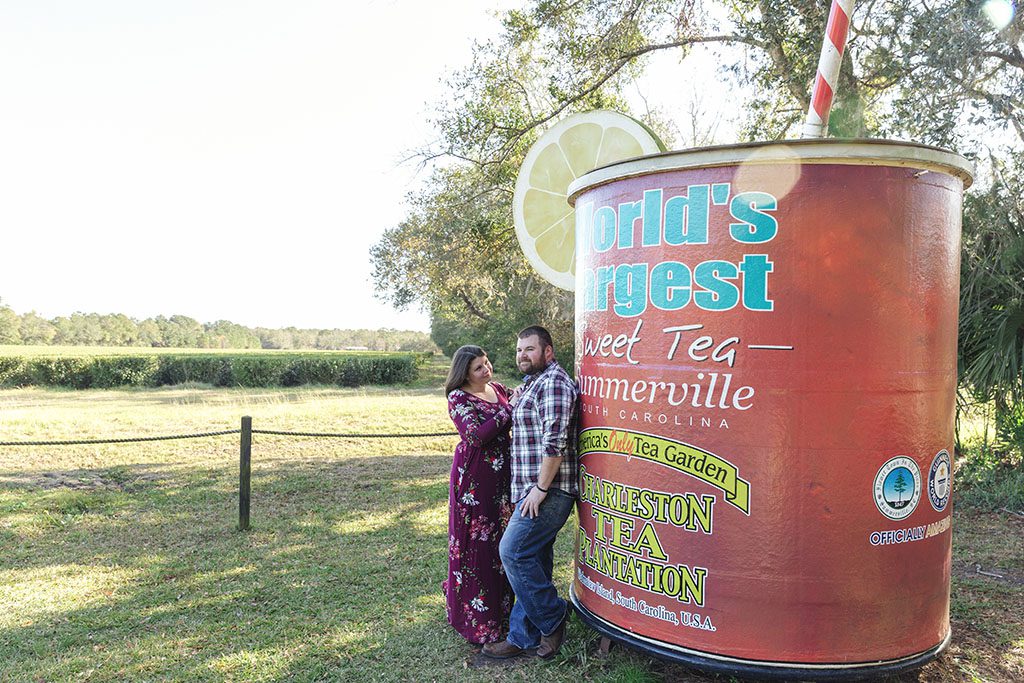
477	595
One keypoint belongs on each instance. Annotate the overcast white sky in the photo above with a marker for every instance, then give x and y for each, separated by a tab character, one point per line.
229	159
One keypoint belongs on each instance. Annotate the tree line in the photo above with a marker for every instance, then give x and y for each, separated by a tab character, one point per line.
180	331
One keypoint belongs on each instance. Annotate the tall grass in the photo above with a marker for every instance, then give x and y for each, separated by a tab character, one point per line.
989	470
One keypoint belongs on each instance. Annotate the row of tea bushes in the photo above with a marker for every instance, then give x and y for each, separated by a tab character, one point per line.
220	369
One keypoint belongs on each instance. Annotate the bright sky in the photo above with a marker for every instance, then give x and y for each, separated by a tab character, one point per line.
222	160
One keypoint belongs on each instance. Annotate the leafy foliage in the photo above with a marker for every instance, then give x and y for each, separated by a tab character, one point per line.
246	370
459	257
992	478
991	351
12	371
992	288
73	373
215	370
180	331
456	254
9	326
937	72
106	372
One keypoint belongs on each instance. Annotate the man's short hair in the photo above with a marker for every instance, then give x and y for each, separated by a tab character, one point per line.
542	334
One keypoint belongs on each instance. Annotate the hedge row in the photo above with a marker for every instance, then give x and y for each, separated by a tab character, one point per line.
222	370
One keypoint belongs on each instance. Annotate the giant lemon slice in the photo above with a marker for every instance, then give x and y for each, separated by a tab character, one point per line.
545	223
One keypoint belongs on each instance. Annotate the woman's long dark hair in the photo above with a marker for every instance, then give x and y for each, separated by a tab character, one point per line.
459	371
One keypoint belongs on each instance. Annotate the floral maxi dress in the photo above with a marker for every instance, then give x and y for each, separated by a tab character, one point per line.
478	598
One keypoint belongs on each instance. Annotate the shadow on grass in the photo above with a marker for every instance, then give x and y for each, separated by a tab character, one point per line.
129	478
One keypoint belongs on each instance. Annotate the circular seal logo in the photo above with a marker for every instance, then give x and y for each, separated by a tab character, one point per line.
939	481
898	487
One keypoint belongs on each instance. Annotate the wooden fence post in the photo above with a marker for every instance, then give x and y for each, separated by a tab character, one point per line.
244	474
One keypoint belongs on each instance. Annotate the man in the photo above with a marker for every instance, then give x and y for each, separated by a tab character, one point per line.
544	490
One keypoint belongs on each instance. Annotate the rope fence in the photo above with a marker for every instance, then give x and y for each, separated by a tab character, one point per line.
245	450
86	442
348	436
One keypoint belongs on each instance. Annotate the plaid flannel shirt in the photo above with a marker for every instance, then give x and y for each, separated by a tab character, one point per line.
544	425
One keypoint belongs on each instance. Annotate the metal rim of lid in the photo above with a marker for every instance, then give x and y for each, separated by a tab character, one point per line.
863	152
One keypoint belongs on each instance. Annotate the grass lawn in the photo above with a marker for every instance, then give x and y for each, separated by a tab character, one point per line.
122	562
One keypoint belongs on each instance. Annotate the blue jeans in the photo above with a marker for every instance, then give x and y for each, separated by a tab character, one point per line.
527	553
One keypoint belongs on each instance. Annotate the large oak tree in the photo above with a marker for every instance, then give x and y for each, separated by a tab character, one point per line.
934	71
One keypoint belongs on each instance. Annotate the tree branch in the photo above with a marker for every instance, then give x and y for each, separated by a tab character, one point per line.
471	307
621	61
1013	60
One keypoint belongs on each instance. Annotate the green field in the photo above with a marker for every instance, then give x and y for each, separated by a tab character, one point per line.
122	562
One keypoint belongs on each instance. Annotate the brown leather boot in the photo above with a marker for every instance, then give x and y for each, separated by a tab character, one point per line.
502	650
549	645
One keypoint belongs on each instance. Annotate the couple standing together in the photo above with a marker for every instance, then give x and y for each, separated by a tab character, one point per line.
513	485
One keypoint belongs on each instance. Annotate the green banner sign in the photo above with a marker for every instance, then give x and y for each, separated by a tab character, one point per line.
679	456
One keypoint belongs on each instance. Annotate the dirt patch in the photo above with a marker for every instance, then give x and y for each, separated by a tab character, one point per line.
976	654
965	569
127	479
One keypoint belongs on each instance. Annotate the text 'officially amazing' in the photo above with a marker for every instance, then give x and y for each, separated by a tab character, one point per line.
679	221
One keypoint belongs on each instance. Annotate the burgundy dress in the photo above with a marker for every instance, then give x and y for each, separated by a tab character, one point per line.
478	598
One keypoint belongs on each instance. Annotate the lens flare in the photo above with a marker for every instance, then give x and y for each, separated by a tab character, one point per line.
999	13
774	169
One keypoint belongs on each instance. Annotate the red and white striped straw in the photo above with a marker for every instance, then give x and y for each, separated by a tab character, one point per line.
816	123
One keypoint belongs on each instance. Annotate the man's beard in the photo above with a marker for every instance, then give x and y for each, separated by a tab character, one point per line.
534	368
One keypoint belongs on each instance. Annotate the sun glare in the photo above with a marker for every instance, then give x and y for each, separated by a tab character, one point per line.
999	12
